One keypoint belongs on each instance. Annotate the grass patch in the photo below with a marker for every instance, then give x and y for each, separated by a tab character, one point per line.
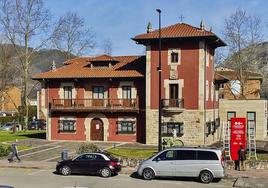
6	136
132	152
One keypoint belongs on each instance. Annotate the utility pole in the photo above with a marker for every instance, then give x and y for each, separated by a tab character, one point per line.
159	69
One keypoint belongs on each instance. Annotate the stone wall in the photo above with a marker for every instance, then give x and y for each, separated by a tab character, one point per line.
193	126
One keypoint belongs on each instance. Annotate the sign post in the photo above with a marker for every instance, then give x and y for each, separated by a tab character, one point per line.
238	136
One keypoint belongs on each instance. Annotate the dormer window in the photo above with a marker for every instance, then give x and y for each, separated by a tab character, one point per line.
174	57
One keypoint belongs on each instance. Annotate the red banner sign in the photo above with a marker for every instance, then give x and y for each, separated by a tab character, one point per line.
238	136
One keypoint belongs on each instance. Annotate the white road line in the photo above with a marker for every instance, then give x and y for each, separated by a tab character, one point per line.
46	160
36	172
36	147
40	151
116	145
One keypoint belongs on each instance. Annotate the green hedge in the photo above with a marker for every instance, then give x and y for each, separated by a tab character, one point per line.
6	119
4	150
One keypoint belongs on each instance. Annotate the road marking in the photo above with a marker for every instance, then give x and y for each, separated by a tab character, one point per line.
36	147
46	160
40	151
35	172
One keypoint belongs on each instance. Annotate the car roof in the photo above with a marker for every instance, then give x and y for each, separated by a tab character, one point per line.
196	148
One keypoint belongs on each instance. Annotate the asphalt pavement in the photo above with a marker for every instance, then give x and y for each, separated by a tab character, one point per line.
38	178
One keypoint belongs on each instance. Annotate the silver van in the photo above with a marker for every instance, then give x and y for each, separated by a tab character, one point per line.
205	163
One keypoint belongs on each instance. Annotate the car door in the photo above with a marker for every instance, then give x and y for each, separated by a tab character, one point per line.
186	163
82	164
164	164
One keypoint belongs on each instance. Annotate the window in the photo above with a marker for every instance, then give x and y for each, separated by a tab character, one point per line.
174	57
173	91
89	157
98	92
206	155
186	155
67	92
229	116
126	92
126	127
169	128
67	125
251	120
166	156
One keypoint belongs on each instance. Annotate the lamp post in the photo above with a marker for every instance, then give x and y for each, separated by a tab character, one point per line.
159	69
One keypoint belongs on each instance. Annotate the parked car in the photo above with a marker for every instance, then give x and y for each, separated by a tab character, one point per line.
9	126
37	124
203	163
102	164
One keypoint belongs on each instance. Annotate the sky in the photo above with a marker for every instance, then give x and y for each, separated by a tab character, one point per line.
121	20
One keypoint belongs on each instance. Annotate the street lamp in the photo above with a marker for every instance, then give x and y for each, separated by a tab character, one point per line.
159	69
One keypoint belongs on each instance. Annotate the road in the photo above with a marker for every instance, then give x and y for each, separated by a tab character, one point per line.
34	178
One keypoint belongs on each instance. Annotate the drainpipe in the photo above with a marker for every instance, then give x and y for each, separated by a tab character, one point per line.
205	87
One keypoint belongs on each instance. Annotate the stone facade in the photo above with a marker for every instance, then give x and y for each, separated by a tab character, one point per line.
194	129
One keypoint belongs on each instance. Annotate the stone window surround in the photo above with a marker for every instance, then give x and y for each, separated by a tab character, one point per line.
127	118
175	50
61	89
126	83
180	82
68	118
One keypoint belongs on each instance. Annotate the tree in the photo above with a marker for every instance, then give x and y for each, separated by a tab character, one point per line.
107	47
242	32
71	36
24	23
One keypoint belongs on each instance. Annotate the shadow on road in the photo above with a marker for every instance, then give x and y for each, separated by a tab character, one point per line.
136	176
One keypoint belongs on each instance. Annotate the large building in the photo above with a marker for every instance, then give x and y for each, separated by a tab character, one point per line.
95	99
189	102
249	105
116	98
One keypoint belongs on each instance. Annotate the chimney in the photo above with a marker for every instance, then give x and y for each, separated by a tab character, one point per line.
210	29
202	25
149	28
53	66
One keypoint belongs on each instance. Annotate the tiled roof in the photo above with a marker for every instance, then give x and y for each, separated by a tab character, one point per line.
78	68
179	30
230	74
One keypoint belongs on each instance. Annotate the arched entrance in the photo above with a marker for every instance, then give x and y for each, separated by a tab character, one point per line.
96	129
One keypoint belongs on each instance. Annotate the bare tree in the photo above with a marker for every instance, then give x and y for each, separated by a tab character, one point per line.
243	32
107	47
25	23
71	36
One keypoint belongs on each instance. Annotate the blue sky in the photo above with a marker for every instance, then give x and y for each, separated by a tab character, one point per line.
120	20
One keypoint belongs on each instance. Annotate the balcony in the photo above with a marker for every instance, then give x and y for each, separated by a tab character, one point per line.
95	105
173	105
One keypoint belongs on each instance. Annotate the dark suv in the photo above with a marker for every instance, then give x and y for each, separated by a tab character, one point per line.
90	163
37	124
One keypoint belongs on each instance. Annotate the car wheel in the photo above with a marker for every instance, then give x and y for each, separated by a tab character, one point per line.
206	176
148	174
105	172
65	170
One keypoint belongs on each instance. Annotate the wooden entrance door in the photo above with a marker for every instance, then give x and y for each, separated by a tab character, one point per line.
96	130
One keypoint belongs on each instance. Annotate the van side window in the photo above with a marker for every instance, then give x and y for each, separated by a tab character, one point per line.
186	155
167	155
206	155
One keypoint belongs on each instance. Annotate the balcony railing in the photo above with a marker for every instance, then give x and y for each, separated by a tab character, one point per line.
172	104
95	104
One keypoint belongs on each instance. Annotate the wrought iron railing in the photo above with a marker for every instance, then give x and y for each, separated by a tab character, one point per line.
172	103
95	104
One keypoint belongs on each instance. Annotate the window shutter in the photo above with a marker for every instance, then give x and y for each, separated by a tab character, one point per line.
134	127
119	126
74	125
